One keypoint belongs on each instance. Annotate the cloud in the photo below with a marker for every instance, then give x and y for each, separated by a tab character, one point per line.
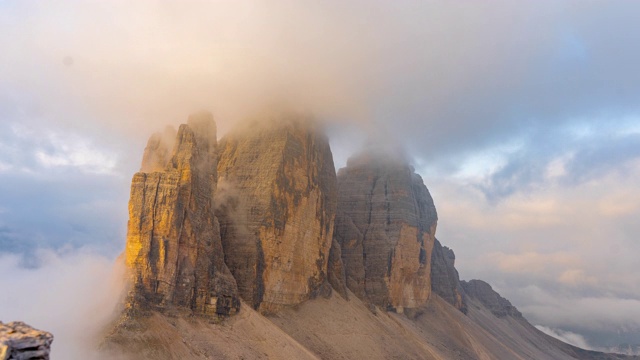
566	336
561	251
522	117
54	209
448	77
75	153
533	262
40	149
72	294
582	342
581	313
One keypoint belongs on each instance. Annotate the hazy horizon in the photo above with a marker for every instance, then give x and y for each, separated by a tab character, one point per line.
522	118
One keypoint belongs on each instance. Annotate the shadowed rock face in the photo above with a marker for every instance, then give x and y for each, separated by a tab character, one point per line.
174	251
385	225
483	292
276	205
335	270
445	280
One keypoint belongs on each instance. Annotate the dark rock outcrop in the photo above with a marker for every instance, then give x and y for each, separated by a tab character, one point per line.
335	270
174	251
19	341
276	205
484	293
385	225
445	280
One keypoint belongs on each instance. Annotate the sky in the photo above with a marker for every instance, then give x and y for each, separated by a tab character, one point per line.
522	117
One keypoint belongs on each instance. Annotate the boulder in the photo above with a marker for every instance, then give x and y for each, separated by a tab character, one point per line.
19	341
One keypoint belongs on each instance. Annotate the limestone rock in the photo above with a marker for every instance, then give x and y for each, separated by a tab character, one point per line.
19	341
277	209
385	225
445	280
335	270
481	291
174	252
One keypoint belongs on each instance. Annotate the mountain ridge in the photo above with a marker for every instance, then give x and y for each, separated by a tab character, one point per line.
257	234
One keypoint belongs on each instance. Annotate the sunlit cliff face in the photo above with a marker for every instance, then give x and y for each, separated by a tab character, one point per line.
522	118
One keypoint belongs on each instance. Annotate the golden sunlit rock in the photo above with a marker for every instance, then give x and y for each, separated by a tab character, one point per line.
174	252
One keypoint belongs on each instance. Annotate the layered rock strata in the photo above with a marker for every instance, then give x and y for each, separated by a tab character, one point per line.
276	205
174	252
484	293
19	341
445	280
385	226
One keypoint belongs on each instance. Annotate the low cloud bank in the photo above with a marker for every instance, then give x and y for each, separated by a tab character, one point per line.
73	294
582	341
566	336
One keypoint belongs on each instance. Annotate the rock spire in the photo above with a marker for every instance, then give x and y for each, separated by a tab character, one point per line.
277	208
174	251
385	226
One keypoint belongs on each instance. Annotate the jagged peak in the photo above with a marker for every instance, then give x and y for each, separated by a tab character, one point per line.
483	292
174	252
204	128
158	151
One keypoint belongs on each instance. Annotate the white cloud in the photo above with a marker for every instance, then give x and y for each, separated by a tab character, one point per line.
73	295
74	151
566	336
602	313
54	148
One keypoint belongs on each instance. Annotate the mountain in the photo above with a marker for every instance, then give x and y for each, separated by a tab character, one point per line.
276	205
386	227
174	250
254	248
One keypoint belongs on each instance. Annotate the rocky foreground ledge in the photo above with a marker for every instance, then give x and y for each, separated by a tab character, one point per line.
19	341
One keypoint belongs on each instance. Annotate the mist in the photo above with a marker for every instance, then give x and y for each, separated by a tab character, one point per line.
522	117
75	294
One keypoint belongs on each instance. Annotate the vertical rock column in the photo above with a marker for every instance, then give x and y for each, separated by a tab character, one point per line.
174	252
277	203
385	225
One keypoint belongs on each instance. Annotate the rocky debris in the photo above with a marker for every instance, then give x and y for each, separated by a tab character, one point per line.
19	341
445	280
385	225
277	208
481	291
174	251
